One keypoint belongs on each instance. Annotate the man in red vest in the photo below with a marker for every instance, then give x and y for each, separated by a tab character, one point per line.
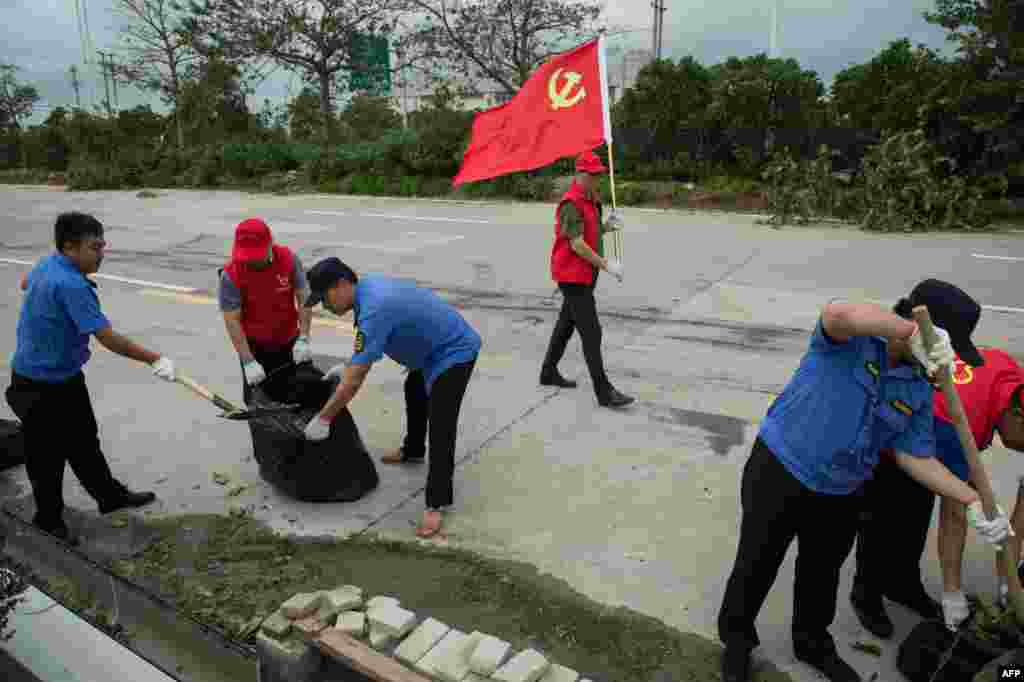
262	295
576	257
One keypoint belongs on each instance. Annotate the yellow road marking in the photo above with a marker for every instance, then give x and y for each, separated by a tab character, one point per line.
342	326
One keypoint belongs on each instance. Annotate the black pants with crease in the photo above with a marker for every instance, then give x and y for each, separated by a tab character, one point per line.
776	509
579	312
60	428
436	417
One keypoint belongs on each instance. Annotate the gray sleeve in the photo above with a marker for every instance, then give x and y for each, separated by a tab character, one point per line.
299	277
228	295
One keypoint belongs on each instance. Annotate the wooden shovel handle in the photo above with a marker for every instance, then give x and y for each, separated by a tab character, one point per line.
205	392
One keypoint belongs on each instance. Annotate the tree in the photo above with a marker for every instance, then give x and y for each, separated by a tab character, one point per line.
760	92
304	119
886	93
368	118
666	97
17	100
503	41
318	39
213	107
161	50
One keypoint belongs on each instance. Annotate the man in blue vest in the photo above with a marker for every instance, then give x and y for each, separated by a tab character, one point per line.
418	330
48	392
861	387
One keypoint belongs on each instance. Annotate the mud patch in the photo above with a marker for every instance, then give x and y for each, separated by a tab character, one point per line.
224	571
723	432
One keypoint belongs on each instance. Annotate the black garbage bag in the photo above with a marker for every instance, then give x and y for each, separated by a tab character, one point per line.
922	651
12	444
338	469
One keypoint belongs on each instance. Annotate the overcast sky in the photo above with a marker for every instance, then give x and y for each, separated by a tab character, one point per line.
42	37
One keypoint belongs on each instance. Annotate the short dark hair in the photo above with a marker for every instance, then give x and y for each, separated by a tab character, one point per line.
73	227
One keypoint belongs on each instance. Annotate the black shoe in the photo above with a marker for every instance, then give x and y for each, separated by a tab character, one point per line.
612	398
829	664
871	614
919	602
61	532
735	665
553	378
126	499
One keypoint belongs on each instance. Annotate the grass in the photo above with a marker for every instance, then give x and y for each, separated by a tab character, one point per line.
230	571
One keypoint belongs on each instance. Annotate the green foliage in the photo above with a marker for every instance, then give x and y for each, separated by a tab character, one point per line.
85	174
908	188
368	119
22	176
789	197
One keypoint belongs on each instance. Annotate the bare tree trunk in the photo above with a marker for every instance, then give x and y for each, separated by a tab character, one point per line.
325	104
172	64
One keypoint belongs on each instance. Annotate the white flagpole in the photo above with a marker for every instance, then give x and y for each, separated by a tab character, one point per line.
607	116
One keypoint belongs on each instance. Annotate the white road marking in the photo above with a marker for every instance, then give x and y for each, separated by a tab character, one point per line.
431	238
476	221
115	278
341	213
371	247
1011	258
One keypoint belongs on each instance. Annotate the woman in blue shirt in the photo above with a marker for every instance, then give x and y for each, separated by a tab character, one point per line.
860	387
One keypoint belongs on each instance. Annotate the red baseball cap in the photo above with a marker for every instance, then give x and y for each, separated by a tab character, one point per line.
587	162
252	239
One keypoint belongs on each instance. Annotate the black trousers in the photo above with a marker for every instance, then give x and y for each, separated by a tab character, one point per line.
60	428
893	532
439	410
271	358
579	312
776	509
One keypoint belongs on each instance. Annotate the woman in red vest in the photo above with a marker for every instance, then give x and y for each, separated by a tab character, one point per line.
576	257
262	295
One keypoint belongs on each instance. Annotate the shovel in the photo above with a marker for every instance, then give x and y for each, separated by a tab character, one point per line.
231	411
979	476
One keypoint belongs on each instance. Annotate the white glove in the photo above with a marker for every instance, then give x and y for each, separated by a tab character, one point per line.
614	221
942	352
615	268
993	532
164	369
955	609
336	371
317	429
302	351
254	374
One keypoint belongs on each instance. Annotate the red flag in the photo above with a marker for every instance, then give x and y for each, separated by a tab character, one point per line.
562	110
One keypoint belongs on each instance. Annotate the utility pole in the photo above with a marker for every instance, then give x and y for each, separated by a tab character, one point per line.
659	20
106	83
76	84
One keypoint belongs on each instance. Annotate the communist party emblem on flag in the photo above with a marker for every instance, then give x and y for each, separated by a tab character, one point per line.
561	110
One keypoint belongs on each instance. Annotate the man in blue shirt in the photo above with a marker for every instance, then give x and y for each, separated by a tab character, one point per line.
859	389
48	392
418	330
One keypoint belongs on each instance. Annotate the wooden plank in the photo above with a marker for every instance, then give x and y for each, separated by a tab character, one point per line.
363	659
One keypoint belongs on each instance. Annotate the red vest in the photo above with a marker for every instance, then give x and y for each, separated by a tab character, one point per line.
269	315
566	265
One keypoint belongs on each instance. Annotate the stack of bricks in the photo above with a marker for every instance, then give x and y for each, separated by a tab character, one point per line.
340	619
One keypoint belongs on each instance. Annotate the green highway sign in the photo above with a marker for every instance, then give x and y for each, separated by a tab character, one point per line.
371	65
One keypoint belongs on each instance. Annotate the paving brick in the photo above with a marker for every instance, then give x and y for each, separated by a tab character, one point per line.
276	626
450	642
392	620
302	605
310	627
454	665
379	639
526	666
488	655
559	673
352	623
344	598
379	601
422	640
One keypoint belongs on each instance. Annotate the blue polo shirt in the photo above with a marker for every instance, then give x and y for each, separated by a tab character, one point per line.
410	325
60	311
843	406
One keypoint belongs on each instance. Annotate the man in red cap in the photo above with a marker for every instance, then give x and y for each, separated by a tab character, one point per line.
262	295
576	257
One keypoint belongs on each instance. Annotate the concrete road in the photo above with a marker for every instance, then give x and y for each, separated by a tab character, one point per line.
637	508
